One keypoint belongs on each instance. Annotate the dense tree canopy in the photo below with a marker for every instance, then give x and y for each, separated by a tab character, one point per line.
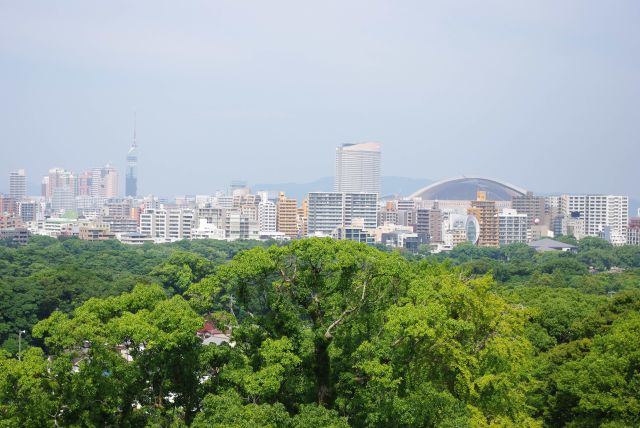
49	274
322	333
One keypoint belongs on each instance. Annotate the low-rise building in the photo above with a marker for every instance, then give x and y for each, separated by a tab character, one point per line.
353	233
17	235
459	228
207	230
548	244
633	231
134	238
95	232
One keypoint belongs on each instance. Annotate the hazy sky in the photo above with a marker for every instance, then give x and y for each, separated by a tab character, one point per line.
545	95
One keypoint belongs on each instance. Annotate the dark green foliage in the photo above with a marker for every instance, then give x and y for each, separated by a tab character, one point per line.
324	334
49	274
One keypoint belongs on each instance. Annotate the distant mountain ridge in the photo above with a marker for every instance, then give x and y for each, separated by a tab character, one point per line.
391	185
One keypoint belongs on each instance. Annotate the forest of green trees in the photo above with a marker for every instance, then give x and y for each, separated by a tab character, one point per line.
324	333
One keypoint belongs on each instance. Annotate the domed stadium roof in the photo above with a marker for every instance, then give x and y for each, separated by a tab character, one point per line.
466	188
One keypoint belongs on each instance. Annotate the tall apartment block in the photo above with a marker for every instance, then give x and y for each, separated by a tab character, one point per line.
512	227
598	211
239	226
388	214
429	223
362	207
533	206
329	210
170	225
17	184
287	215
267	216
104	182
84	183
487	215
303	214
63	199
358	168
325	212
59	178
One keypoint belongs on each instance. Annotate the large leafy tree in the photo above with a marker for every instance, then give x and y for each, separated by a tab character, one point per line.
135	351
451	353
325	296
375	337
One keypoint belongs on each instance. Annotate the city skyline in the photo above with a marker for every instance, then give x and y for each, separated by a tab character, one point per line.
483	211
323	184
506	91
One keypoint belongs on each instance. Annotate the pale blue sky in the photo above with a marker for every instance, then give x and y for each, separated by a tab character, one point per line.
542	94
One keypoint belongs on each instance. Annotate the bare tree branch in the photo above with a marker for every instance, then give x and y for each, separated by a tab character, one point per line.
327	334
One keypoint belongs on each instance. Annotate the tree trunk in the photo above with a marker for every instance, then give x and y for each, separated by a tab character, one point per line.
323	370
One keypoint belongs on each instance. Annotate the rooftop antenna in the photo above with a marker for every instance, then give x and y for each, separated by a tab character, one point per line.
134	129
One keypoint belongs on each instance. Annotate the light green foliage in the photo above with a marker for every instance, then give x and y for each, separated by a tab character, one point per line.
450	339
181	270
26	389
159	335
277	362
554	313
227	410
312	415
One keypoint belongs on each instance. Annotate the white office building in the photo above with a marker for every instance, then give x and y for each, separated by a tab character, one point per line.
358	168
599	211
62	200
330	210
267	216
17	184
153	223
179	224
239	226
361	206
512	227
325	212
167	225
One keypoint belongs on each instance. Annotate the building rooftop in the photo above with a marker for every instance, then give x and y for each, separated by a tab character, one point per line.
367	147
547	244
466	189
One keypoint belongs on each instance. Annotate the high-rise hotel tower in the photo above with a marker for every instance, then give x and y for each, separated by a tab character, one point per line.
131	181
17	184
358	168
